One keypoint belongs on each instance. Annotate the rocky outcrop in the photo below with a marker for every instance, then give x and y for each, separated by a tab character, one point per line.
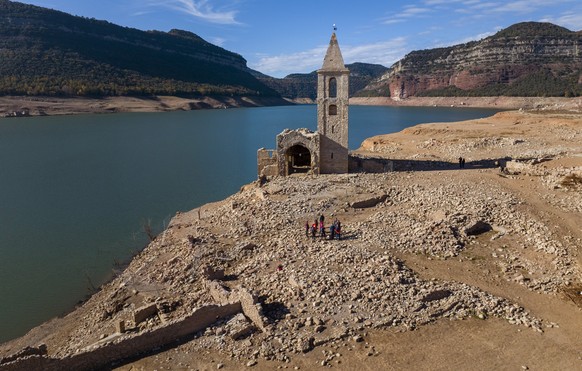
527	59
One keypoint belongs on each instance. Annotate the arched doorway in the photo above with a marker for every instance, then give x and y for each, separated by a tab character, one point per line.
298	159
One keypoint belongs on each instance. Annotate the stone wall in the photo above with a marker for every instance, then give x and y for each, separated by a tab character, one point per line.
333	127
267	162
304	137
364	164
333	157
102	356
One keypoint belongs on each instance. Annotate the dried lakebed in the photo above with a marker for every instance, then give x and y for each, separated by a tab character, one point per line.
418	247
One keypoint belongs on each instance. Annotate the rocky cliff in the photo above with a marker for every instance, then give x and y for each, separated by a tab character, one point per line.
526	59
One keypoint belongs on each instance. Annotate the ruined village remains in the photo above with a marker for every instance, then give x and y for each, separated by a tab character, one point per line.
323	152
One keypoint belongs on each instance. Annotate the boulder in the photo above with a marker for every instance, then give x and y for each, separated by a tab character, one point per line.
368	202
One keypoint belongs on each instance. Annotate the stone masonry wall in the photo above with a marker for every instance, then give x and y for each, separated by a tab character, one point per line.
102	356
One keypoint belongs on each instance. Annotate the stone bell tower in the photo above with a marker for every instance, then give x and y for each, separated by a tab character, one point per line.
332	111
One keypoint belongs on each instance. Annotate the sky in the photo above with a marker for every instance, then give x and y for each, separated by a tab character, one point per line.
279	37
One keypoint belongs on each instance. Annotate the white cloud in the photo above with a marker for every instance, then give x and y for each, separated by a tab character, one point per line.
480	7
572	21
202	9
284	64
385	53
408	11
217	41
467	39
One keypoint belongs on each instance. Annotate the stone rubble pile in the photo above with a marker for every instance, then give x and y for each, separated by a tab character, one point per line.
318	291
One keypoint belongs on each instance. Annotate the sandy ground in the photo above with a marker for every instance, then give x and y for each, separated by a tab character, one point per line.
447	343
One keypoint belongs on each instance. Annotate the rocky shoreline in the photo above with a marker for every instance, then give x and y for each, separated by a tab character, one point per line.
16	106
428	251
510	103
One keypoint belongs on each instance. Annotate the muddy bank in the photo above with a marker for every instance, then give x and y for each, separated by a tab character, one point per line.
49	106
529	103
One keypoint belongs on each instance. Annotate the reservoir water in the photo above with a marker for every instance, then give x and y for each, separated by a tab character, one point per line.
76	191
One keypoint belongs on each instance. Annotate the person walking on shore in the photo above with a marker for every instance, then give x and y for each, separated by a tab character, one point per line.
321	229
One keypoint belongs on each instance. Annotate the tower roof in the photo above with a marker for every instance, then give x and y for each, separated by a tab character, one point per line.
333	60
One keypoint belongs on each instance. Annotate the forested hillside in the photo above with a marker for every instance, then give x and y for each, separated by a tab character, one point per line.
46	52
304	85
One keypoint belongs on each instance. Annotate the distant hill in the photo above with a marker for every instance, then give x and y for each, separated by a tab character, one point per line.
526	59
47	52
305	85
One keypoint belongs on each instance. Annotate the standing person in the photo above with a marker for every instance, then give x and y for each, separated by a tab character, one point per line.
321	229
463	164
321	218
313	229
338	229
306	229
460	162
332	231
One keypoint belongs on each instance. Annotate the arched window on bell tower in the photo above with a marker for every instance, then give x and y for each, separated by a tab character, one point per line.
332	110
333	88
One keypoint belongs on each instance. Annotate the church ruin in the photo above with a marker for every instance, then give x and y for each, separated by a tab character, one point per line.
324	151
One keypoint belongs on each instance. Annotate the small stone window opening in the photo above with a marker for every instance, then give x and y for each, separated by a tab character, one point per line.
332	88
332	155
332	110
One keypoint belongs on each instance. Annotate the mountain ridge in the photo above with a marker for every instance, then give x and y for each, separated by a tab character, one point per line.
525	59
48	52
304	85
51	53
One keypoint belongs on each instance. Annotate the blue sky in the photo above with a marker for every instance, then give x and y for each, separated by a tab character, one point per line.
278	37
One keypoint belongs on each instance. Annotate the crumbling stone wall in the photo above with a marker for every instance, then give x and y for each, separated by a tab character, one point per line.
104	355
364	164
304	137
267	164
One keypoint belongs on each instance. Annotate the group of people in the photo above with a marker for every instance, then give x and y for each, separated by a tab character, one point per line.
335	229
461	162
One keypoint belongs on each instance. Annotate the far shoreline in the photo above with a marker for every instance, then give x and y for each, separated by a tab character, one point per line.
31	106
501	102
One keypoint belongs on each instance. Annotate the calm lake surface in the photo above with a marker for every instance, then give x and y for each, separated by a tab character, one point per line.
76	191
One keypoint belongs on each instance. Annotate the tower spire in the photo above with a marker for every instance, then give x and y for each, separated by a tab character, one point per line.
333	57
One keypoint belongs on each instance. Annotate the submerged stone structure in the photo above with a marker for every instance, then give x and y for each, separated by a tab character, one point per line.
324	151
